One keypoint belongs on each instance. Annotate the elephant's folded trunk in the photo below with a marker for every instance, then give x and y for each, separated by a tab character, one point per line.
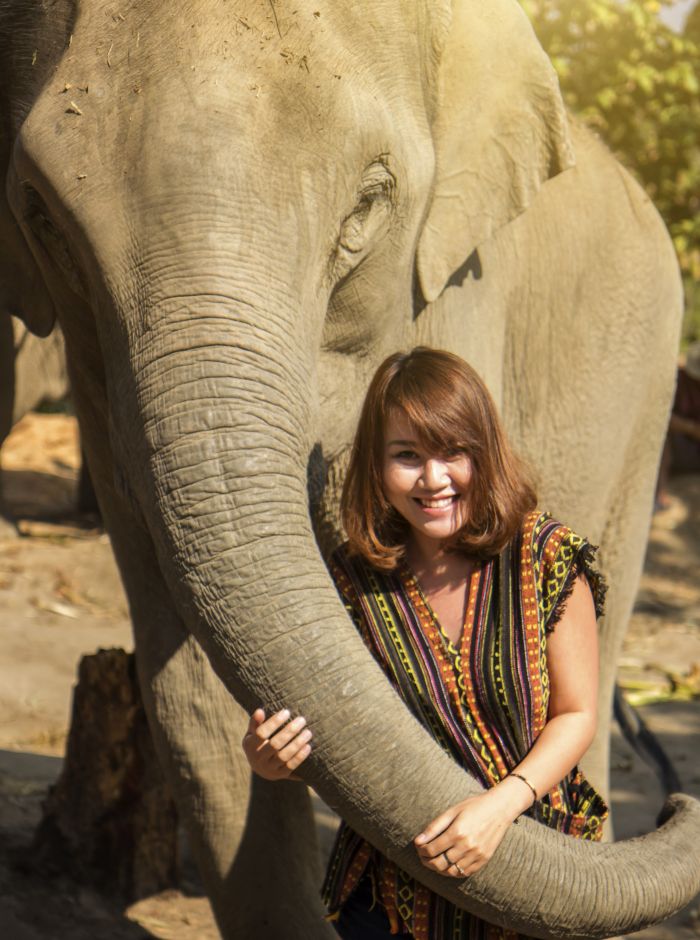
221	455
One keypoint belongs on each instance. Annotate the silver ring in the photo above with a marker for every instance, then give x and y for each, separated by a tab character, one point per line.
460	870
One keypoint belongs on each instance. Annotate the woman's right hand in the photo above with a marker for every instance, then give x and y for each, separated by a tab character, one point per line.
277	746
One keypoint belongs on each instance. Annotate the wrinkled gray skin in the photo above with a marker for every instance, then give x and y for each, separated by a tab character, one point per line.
237	209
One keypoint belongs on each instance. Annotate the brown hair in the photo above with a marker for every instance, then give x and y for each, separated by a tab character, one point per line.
450	408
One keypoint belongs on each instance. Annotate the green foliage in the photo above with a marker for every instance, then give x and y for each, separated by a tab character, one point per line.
637	84
692	25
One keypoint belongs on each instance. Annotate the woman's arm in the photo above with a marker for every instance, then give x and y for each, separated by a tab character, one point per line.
470	832
275	747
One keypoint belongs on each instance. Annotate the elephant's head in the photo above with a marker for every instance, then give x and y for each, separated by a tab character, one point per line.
227	203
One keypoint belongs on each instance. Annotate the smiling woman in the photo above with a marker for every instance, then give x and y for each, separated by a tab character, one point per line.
429	430
455	583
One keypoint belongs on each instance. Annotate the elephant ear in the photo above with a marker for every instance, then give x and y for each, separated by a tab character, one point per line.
499	131
22	289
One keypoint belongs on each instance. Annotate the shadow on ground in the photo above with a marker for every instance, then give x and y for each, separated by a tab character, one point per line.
31	907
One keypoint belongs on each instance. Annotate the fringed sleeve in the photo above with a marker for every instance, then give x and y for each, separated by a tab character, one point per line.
564	557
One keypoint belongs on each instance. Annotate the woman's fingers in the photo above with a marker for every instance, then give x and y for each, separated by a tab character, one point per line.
266	729
440	864
438	845
432	831
452	864
289	732
457	860
450	849
292	745
436	837
276	746
299	757
256	719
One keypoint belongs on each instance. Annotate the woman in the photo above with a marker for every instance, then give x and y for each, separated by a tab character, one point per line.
456	584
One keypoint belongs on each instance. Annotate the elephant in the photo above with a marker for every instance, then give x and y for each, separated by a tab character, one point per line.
235	209
32	370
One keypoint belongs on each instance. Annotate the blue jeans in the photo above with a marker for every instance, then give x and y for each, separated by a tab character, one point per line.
357	921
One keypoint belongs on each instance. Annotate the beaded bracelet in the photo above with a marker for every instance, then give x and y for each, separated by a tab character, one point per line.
526	781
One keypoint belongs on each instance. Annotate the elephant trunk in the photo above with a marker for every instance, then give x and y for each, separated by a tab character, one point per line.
223	407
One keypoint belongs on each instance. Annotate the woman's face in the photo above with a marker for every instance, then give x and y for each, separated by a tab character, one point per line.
427	489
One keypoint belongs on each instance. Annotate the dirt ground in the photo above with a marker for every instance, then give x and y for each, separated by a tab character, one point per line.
61	598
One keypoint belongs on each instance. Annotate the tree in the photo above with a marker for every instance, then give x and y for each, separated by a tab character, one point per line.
637	84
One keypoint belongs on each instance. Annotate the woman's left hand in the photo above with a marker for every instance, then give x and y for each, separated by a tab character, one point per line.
462	839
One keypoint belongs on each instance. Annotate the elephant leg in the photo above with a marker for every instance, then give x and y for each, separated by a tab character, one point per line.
623	547
255	844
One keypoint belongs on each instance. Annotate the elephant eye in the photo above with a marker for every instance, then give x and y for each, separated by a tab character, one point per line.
372	211
37	217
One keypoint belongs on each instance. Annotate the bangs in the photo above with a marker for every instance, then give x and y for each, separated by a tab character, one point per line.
436	408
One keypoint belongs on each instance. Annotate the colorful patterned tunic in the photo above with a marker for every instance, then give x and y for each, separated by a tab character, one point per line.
484	703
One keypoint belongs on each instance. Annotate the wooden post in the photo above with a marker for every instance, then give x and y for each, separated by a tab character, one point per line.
109	821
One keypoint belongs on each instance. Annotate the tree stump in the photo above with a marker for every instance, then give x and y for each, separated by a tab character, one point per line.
110	821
